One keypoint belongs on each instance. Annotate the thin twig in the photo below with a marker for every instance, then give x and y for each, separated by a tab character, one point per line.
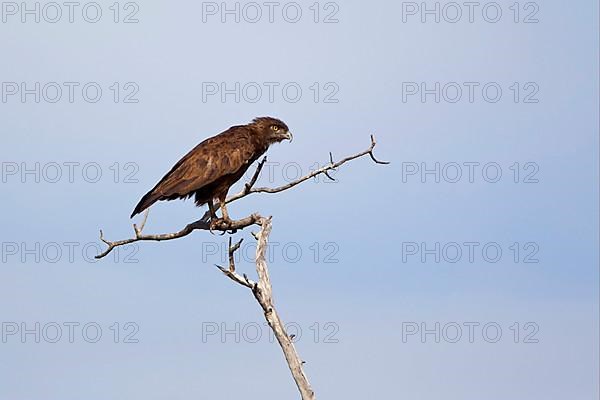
259	168
138	231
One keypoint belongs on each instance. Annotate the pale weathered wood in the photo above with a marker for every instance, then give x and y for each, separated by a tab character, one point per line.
264	295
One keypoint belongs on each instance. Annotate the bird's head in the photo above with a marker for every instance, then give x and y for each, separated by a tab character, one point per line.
272	129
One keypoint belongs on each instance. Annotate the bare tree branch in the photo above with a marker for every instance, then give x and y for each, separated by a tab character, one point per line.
263	293
250	184
324	170
230	273
201	224
138	231
222	226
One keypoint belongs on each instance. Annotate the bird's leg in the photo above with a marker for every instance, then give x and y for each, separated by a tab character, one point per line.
226	218
213	216
223	222
224	208
211	210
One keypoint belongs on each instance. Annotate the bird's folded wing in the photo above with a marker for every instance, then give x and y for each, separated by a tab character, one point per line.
207	162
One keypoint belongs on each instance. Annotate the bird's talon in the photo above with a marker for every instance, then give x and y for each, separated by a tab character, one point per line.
214	224
220	224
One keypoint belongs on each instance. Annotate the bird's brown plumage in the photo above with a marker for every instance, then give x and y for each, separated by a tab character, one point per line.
212	167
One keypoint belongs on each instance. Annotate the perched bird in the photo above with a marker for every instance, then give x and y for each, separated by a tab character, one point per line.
212	167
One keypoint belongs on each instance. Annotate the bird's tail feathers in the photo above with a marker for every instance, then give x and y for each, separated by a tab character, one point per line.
146	201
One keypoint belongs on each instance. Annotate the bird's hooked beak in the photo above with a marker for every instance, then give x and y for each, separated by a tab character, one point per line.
289	136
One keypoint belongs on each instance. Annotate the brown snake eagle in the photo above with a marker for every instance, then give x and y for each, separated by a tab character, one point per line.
212	167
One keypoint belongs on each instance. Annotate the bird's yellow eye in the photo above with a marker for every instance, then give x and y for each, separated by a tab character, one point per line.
275	128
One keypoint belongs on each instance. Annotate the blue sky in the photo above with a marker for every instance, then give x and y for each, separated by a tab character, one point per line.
353	262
